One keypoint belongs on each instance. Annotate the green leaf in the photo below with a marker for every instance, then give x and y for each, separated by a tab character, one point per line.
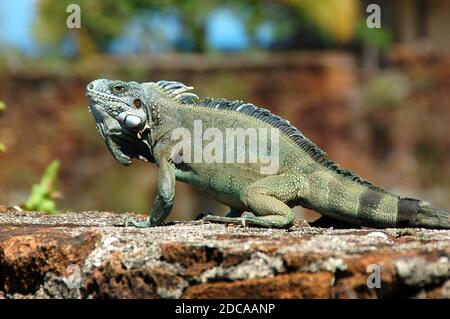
43	194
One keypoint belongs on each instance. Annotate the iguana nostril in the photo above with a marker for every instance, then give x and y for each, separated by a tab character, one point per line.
137	103
90	86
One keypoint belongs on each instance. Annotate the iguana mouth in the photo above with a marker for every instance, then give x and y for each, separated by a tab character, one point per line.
145	129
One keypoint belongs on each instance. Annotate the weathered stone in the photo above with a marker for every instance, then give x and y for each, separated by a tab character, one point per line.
113	280
194	259
200	260
27	253
295	285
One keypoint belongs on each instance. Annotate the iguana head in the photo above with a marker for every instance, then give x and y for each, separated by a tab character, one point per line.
120	100
121	117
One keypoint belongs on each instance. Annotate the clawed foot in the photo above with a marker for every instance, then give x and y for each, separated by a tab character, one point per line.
130	221
246	219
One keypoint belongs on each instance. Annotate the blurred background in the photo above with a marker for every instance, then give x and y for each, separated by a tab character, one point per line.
377	100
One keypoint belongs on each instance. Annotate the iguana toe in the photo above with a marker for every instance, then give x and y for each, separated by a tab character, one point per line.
130	221
247	216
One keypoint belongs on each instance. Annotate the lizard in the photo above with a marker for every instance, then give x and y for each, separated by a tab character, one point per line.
137	121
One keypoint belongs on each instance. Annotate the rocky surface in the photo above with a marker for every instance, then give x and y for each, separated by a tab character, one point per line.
91	255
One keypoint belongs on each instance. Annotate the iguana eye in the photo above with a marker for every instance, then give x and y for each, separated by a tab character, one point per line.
118	88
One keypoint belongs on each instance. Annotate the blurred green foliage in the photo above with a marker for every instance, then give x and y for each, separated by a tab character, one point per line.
386	89
335	18
103	20
379	38
42	197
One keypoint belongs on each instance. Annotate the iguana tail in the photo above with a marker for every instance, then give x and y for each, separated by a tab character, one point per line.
379	208
416	213
431	217
366	205
404	212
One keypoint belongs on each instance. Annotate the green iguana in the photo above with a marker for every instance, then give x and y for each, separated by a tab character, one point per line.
139	120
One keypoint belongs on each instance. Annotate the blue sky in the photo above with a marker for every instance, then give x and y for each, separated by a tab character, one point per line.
16	23
225	31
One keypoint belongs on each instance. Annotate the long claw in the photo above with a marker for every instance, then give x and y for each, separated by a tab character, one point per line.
202	216
231	220
247	216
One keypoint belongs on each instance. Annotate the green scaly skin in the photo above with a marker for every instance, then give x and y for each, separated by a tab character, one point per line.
305	177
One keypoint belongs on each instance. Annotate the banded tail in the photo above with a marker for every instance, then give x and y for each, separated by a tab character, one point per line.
359	203
431	217
416	213
403	211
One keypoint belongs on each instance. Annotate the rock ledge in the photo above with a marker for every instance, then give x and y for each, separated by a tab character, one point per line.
91	255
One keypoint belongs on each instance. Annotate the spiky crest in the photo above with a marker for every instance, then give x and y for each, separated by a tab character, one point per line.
178	91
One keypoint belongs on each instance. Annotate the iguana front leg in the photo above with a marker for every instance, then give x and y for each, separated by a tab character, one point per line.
163	202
